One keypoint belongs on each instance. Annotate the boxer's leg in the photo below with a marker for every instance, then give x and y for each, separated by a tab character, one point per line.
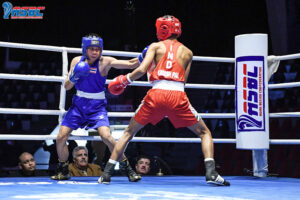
119	149
104	132
62	171
212	176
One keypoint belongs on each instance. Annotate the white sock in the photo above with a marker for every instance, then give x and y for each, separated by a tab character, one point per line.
112	161
208	159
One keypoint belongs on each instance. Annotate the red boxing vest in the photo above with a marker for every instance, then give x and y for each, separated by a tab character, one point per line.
168	67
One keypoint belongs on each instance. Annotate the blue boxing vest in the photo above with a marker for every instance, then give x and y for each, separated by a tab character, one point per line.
94	82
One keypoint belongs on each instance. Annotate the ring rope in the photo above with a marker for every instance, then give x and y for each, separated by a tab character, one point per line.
105	52
140	139
131	114
129	54
60	112
284	85
288	57
140	83
32	77
31	111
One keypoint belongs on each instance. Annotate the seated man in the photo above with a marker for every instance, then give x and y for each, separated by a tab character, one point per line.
26	164
80	165
143	165
27	167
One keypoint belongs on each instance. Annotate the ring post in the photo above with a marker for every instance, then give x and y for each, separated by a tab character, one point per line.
251	91
62	100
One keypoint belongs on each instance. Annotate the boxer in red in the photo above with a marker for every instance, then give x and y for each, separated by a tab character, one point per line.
168	64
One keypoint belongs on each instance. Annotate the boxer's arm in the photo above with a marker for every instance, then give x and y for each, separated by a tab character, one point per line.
188	68
147	61
68	84
117	85
125	64
130	64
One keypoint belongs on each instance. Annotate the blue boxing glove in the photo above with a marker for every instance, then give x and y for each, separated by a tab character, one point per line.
143	54
81	69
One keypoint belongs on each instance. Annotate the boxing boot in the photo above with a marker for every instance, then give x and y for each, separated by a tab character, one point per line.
131	174
107	173
62	171
212	176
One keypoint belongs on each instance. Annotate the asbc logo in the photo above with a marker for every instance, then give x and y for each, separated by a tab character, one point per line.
22	12
250	105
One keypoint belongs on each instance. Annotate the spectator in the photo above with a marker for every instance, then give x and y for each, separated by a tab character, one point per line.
80	165
26	164
143	165
27	168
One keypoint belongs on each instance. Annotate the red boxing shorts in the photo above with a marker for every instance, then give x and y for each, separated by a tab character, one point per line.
159	103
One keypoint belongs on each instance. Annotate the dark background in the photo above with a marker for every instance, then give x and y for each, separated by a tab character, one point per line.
209	27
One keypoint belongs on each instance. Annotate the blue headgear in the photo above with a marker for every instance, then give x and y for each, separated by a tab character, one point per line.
91	41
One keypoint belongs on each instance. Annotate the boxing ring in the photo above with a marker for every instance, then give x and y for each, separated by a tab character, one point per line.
163	188
167	187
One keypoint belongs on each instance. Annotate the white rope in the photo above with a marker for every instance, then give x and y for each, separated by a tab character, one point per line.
284	85
110	114
203	115
288	57
139	139
213	59
32	77
210	86
216	86
33	46
139	83
285	114
131	114
128	54
285	141
105	52
30	111
211	115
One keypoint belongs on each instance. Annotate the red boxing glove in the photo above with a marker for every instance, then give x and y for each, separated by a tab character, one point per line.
117	85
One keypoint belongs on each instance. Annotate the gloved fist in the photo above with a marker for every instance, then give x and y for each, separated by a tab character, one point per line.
143	54
81	69
117	85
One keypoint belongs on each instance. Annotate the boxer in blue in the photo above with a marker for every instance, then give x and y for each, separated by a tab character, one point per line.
88	74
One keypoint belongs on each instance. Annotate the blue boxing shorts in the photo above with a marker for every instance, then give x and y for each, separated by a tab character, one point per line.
86	113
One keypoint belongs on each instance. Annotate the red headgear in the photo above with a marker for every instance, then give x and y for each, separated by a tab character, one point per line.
166	26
